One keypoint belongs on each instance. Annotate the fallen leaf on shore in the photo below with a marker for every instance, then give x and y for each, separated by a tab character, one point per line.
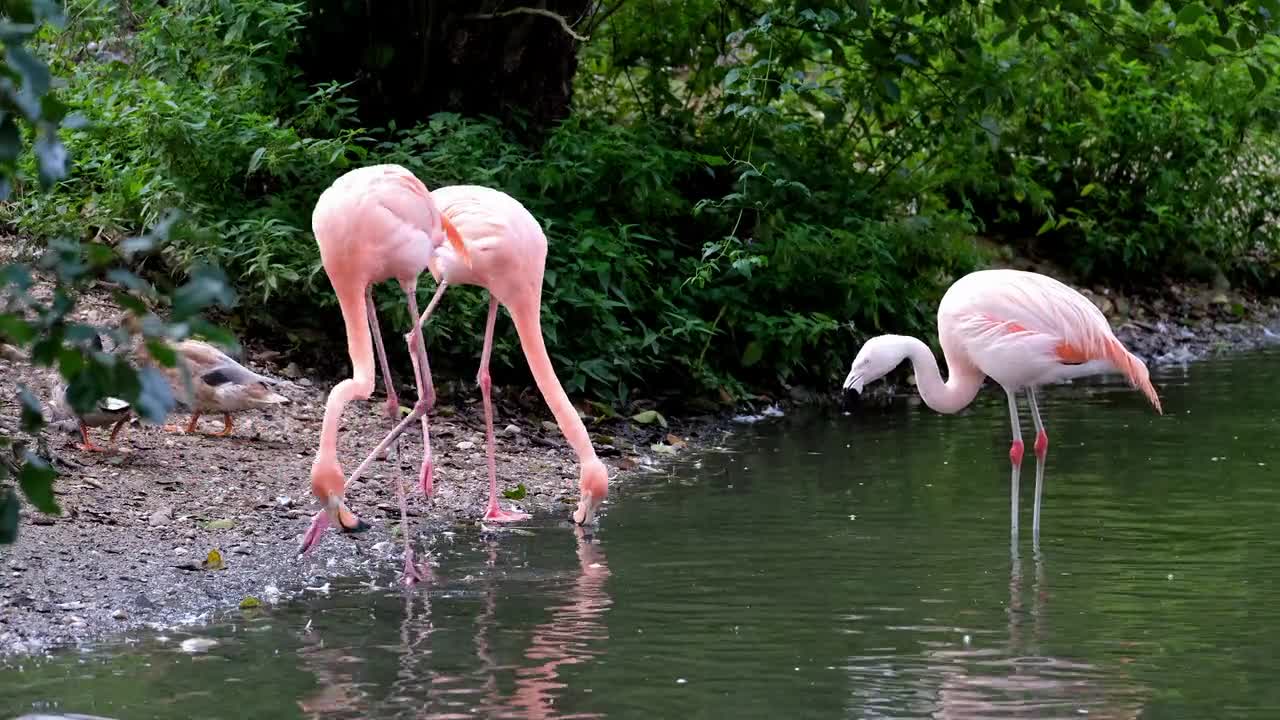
518	493
213	561
649	417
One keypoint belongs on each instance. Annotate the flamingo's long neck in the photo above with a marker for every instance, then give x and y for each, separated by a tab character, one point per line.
945	397
529	328
360	348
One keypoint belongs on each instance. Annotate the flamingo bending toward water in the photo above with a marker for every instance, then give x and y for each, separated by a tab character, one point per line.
373	224
502	248
1021	329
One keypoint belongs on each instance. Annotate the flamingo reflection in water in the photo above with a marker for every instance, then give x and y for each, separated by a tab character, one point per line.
571	636
1036	685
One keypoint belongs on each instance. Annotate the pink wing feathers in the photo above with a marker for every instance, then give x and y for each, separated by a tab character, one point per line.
1035	328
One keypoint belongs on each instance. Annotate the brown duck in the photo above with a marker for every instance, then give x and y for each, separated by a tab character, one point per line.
219	384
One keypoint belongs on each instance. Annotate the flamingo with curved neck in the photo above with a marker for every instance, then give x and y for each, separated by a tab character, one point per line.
502	248
1021	329
372	224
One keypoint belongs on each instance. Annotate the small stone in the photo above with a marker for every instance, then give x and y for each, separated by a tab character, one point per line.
120	614
161	516
11	353
284	501
509	431
70	606
292	371
466	445
195	645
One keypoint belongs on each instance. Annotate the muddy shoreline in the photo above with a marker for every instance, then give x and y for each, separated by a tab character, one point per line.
127	552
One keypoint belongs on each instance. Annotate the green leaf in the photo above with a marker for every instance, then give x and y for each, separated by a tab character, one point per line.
16	330
52	157
10	140
128	280
1191	13
256	160
8	516
889	88
137	246
32	413
162	352
155	397
35	75
518	493
649	417
1046	226
36	481
1088	189
1192	47
752	354
208	285
1259	77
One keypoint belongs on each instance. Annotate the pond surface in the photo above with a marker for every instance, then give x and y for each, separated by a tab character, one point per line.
844	566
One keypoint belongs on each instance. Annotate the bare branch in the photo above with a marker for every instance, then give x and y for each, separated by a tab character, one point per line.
531	11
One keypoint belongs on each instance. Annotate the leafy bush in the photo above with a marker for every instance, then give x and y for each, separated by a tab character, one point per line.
42	326
743	192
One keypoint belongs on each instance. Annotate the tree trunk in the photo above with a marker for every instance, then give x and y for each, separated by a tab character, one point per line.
412	58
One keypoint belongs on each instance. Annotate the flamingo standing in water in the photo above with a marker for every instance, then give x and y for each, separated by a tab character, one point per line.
502	248
1021	329
373	224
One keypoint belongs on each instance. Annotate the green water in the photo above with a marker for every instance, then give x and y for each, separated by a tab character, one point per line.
851	566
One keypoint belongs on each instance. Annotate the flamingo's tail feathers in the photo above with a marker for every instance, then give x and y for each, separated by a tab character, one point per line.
1134	369
455	239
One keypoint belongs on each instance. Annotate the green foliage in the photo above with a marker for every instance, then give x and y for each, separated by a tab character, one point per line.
745	190
43	326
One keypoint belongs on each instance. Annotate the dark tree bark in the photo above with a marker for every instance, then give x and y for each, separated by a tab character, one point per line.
412	58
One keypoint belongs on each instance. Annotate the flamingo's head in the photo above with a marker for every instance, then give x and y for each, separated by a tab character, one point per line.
594	485
877	358
327	484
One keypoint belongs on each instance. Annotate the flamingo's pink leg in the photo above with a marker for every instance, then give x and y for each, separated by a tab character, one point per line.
419	408
495	513
393	401
1042	450
417	351
422	374
1015	459
422	320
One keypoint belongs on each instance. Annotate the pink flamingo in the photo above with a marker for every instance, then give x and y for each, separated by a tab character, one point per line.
373	224
1021	329
502	248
